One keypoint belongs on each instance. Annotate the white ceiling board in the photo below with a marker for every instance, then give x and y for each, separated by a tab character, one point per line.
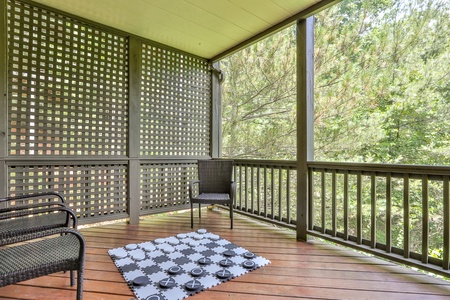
202	27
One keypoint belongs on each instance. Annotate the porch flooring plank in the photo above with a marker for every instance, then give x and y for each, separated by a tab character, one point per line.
298	270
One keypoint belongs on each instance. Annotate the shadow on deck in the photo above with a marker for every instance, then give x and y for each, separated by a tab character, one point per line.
312	270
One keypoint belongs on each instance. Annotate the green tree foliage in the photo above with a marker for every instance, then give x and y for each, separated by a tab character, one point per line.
382	87
382	79
259	100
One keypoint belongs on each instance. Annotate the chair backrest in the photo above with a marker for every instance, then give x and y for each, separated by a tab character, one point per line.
215	176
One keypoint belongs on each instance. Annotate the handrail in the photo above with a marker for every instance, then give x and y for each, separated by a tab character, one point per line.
266	189
387	210
386	168
394	209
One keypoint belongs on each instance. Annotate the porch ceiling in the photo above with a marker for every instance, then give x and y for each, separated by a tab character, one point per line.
205	28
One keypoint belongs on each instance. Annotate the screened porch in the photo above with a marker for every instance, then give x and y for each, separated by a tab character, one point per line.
112	108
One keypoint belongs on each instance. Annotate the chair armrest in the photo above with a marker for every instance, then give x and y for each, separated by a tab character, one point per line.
191	187
31	206
47	195
25	213
55	231
22	226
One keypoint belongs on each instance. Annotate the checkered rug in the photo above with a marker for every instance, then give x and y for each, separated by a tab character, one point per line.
179	266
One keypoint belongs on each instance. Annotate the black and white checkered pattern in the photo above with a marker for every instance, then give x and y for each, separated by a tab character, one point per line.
179	266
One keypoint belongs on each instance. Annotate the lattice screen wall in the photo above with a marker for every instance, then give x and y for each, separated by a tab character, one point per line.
68	105
175	104
93	191
67	86
165	185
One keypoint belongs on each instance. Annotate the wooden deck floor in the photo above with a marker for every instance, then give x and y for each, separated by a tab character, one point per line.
298	270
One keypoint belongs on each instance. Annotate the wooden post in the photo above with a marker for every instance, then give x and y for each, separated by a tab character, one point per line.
305	118
3	101
216	118
134	101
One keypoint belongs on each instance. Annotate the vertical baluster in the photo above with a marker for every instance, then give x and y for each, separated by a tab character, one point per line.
265	191
280	194
425	221
373	211
322	176
288	195
406	215
333	203
246	187
272	195
345	205
310	198
252	188
258	189
359	208
240	187
446	199
235	167
388	213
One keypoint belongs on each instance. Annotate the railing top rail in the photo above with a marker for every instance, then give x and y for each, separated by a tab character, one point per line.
348	166
382	168
269	163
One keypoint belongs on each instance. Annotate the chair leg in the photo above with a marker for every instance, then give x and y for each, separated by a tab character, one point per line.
192	215
199	211
80	278
72	278
231	215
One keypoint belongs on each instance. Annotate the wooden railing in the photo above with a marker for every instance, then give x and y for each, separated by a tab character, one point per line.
267	189
398	212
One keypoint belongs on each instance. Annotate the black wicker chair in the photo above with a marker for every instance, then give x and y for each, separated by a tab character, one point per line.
29	218
214	186
63	251
18	222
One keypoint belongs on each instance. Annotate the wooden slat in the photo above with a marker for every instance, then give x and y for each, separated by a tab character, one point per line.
288	195
258	190
265	191
280	194
425	221
373	211
272	192
297	270
406	233
388	213
333	203
345	205
252	189
359	208
446	197
323	198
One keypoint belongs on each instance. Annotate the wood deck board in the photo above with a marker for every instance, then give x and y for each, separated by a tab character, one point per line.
313	270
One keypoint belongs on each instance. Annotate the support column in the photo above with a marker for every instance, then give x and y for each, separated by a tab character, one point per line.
3	101
216	119
305	119
134	166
